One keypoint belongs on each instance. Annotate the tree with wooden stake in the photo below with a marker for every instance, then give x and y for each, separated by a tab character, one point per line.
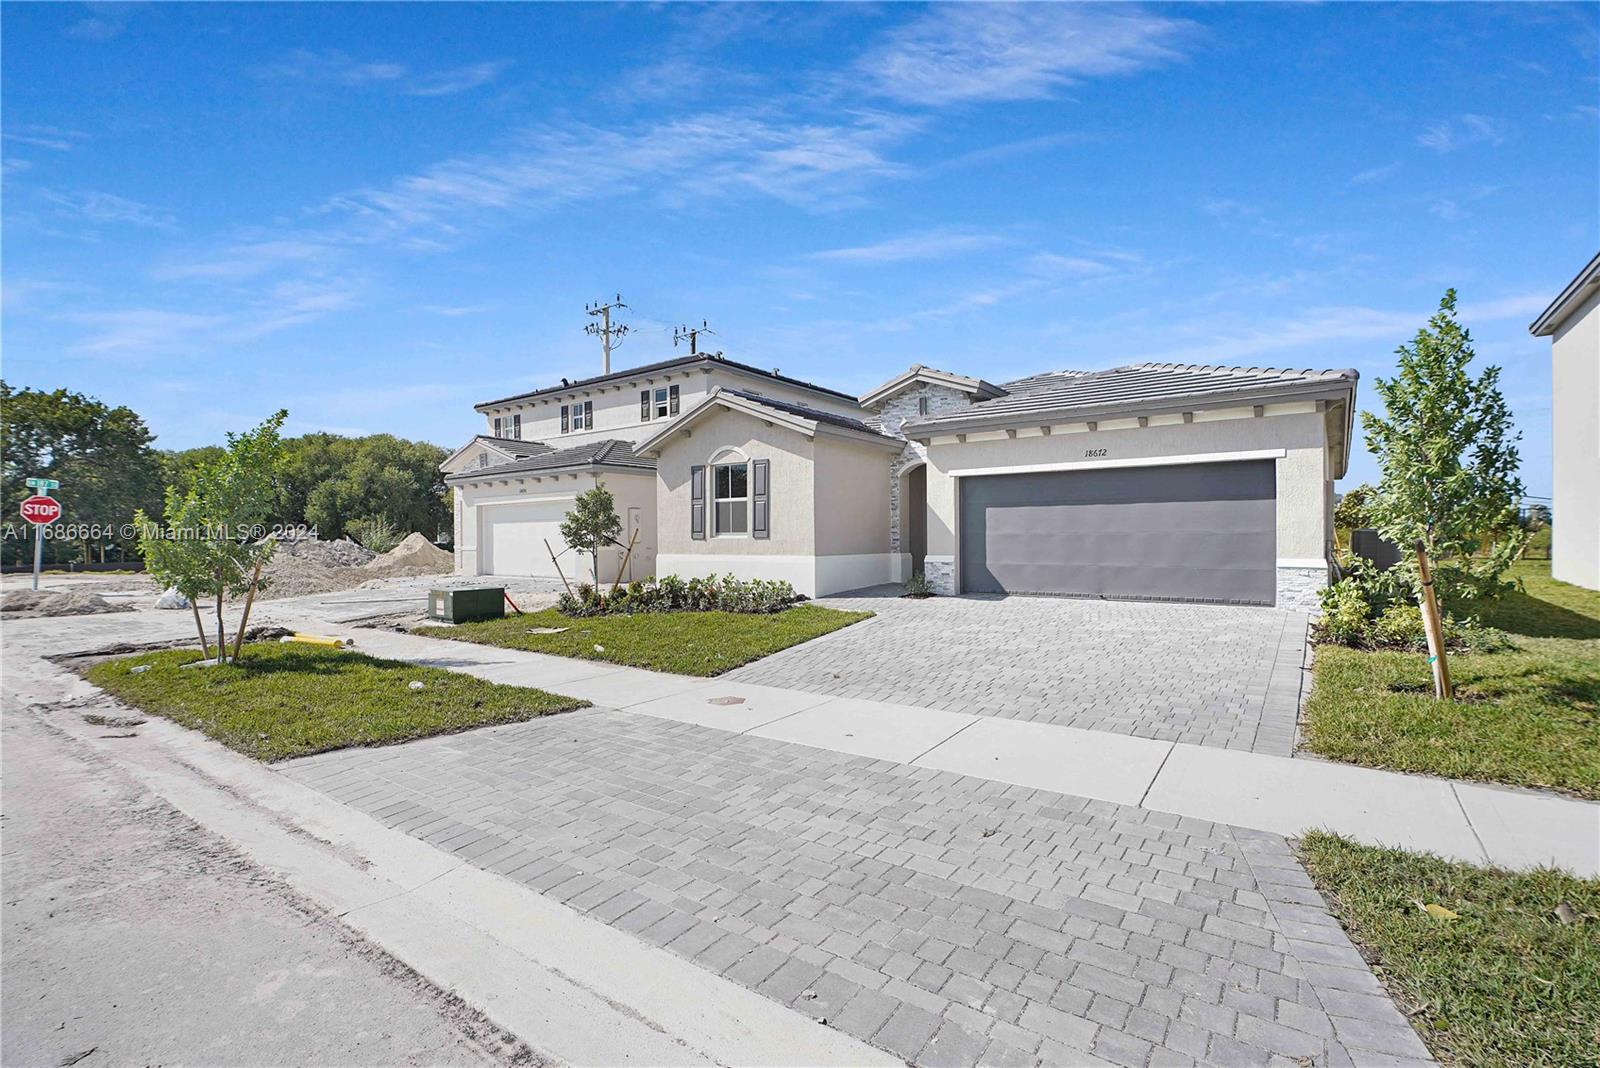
1447	449
1433	625
592	524
205	544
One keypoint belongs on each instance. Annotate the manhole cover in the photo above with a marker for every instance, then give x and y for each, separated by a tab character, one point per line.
726	701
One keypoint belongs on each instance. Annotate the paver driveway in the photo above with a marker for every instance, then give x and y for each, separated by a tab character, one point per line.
950	920
1206	674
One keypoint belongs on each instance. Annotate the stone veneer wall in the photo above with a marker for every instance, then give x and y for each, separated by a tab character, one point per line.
895	413
1300	588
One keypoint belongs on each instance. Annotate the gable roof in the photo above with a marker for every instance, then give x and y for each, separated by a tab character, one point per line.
918	373
681	363
1135	388
1567	301
593	455
798	417
510	448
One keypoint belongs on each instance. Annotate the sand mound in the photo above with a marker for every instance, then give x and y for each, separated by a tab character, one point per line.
416	555
341	552
60	603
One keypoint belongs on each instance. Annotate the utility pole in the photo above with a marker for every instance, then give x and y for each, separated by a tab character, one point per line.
691	335
609	335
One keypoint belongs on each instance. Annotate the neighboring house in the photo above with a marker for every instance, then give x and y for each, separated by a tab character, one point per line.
1572	322
1152	481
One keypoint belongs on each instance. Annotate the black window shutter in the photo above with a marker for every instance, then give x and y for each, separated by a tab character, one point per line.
497	426
760	498
588	415
563	418
644	405
697	501
672	401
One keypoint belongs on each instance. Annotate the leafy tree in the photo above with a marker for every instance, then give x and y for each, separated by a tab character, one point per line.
1352	512
1447	449
207	545
592	524
101	455
330	482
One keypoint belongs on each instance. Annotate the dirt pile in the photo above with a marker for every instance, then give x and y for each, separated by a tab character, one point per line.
416	555
59	603
341	552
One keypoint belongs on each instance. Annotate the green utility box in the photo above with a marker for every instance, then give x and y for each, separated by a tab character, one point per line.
467	605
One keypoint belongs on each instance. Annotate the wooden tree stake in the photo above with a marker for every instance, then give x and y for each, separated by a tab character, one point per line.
205	647
249	599
623	567
1434	626
563	575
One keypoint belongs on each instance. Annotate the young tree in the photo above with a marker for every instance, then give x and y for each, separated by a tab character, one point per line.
1447	449
1351	513
208	546
592	524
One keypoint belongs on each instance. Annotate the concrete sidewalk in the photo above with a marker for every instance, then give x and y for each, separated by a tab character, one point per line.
1465	821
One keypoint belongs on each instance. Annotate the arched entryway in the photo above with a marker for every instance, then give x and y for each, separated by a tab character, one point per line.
913	516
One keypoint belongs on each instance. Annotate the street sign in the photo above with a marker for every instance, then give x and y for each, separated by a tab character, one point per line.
43	484
41	510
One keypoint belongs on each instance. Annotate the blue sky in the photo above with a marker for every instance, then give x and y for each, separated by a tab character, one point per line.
377	215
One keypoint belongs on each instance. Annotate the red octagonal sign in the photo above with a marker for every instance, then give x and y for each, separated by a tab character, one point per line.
41	510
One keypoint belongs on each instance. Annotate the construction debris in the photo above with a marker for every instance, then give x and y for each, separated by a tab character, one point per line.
172	599
310	566
59	603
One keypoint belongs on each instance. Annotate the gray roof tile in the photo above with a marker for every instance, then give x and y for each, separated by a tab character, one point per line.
807	412
607	453
1135	386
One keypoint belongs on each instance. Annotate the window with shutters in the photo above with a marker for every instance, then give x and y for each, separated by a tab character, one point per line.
730	495
662	406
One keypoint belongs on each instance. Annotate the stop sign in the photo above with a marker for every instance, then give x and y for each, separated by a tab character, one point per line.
41	510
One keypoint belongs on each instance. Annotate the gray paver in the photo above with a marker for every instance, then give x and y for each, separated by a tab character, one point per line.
1061	929
1206	674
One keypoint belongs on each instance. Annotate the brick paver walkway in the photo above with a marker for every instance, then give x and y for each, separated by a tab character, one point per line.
950	920
1210	675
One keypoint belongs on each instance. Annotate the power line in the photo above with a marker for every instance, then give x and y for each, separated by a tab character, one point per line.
692	335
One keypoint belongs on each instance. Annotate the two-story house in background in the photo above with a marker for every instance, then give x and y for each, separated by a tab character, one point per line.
1150	481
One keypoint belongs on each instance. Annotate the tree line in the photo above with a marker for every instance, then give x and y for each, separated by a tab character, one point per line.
105	458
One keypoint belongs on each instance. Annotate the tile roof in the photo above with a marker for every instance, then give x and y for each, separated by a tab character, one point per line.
606	453
515	446
807	412
1135	386
665	365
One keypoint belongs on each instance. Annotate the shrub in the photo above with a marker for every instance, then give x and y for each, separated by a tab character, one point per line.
375	533
1344	614
1399	627
918	586
1369	609
673	594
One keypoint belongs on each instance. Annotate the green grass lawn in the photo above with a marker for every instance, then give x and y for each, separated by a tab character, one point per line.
1528	715
289	700
1508	983
685	643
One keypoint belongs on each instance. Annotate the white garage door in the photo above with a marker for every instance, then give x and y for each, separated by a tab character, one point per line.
513	536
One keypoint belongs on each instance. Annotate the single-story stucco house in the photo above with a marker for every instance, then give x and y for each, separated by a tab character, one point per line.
1150	481
1572	323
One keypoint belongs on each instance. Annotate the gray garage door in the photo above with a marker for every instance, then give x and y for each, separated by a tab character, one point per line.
1196	532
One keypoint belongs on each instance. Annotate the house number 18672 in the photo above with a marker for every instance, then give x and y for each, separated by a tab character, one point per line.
1094	454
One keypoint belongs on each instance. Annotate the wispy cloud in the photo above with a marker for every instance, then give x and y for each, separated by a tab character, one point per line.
338	69
927	245
98	207
55	138
106	21
456	311
962	52
1375	174
247	259
141	332
1464	130
706	156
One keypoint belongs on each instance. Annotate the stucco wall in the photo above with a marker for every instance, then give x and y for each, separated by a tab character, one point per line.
1575	452
793	522
1302	486
852	508
616	404
629	489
